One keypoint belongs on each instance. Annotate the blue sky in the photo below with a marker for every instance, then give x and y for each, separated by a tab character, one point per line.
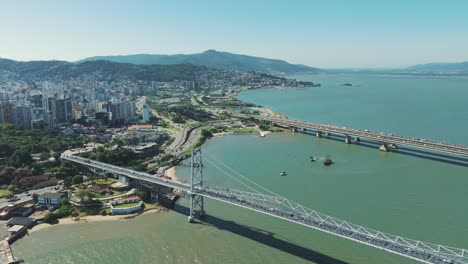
325	33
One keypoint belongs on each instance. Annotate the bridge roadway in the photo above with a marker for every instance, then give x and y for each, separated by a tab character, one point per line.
282	208
375	136
143	176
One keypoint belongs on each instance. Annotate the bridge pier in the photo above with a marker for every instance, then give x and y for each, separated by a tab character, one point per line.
155	191
303	129
197	204
293	129
347	139
327	134
392	146
357	139
123	179
384	147
318	134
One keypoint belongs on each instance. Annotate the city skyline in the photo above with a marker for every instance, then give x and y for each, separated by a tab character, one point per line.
336	34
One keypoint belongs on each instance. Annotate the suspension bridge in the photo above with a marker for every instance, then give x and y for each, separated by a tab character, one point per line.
262	200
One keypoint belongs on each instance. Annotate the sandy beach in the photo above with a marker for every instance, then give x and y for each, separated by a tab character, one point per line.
171	172
94	218
222	134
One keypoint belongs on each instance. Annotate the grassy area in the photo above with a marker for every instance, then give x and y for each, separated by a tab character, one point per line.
126	205
274	129
171	127
5	193
150	206
107	181
89	210
242	130
98	195
47	183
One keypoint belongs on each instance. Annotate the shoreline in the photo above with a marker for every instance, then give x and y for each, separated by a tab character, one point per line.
94	219
172	172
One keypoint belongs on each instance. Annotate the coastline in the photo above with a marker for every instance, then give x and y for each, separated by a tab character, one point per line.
93	219
172	172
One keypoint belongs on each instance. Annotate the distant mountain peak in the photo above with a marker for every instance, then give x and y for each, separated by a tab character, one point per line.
214	59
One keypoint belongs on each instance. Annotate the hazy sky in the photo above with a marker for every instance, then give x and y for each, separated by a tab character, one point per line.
325	33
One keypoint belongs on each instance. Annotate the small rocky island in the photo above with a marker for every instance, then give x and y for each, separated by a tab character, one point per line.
349	84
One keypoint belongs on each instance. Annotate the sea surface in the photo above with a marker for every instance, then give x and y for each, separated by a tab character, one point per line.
394	193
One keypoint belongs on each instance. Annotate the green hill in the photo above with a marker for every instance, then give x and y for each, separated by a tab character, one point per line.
214	59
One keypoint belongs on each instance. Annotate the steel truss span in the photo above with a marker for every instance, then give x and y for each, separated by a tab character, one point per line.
280	207
285	209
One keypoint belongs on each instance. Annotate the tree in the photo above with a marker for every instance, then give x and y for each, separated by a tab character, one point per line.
66	169
7	175
50	218
166	157
100	149
178	119
67	181
145	196
264	127
206	133
36	169
85	196
140	167
56	156
45	155
21	158
77	179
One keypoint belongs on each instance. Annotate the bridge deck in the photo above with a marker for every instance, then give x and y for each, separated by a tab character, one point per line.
376	136
127	172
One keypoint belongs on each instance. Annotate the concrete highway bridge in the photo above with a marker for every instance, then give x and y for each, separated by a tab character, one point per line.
351	135
267	202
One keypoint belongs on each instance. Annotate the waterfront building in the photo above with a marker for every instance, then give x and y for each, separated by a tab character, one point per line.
50	199
126	205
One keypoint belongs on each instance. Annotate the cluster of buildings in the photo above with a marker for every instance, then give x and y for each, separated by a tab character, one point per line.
22	216
47	105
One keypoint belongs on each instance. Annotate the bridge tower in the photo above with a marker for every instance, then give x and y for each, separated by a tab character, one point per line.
197	204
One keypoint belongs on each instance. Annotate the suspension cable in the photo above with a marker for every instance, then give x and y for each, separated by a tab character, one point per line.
233	177
258	185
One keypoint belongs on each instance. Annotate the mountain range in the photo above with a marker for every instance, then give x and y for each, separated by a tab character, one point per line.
104	70
96	71
214	59
460	67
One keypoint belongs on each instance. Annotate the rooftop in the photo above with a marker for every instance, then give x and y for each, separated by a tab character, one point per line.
20	221
141	126
126	198
15	228
51	195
